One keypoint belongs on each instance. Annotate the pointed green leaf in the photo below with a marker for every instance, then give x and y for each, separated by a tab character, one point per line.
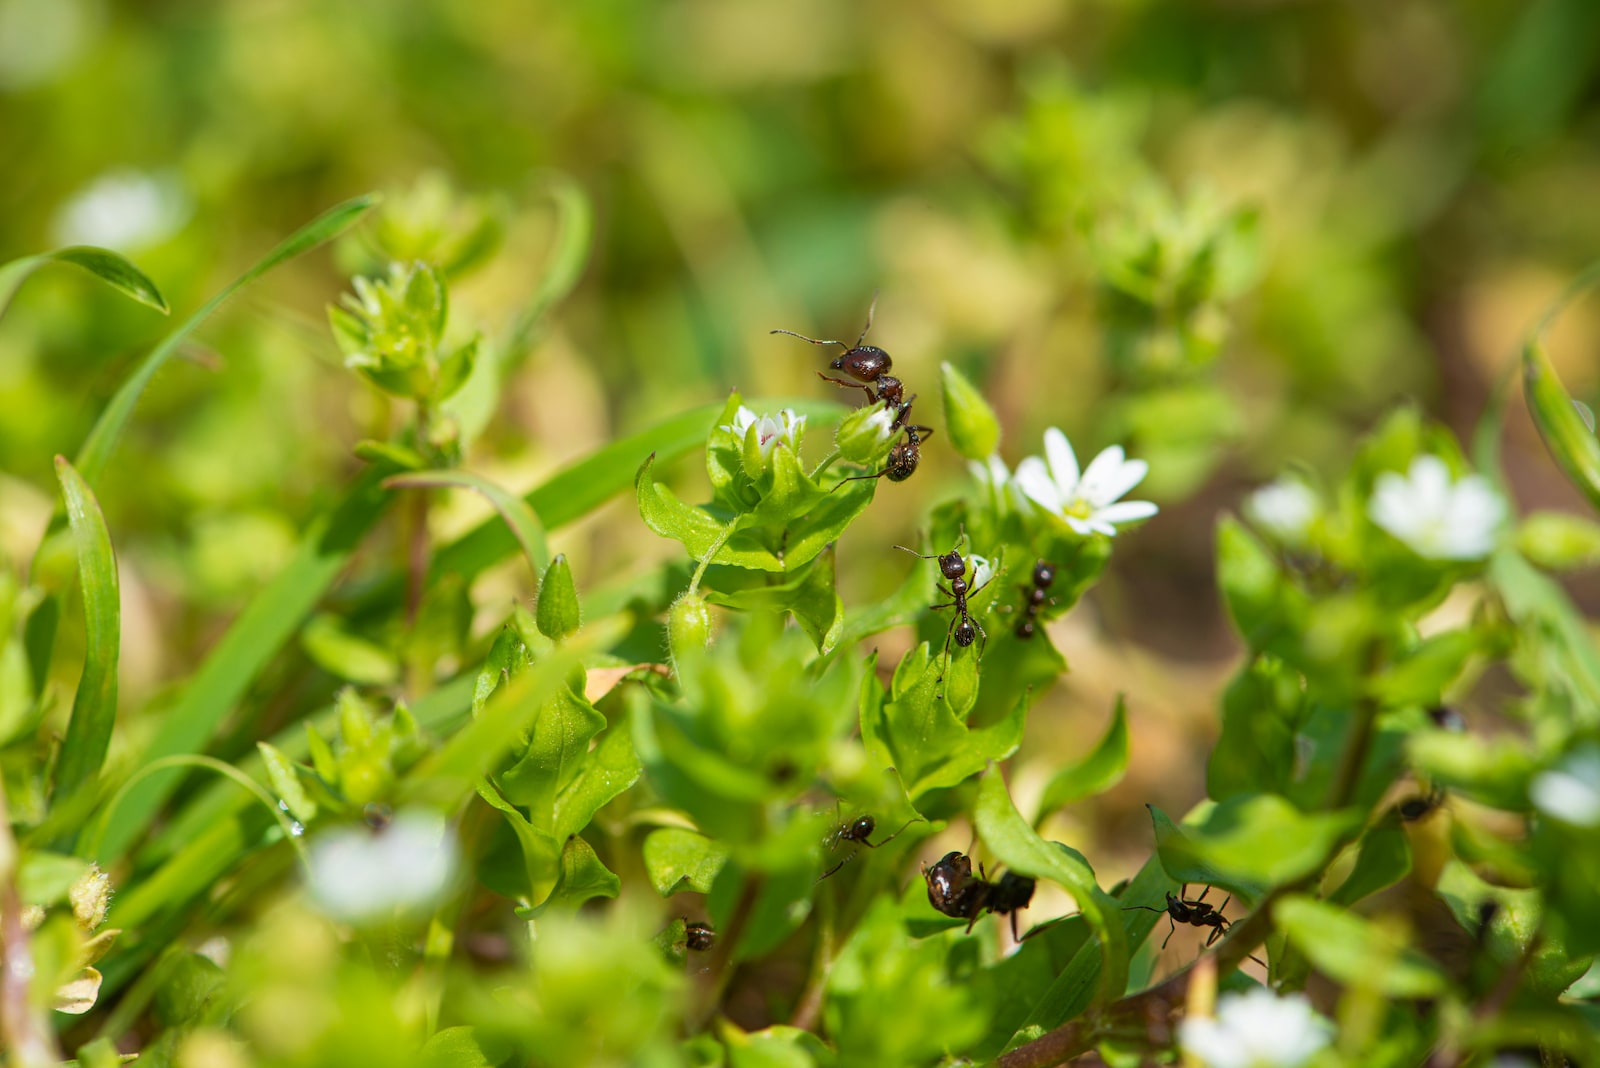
285	782
1566	435
104	264
1004	831
1383	859
558	615
94	708
348	656
678	859
557	750
1250	843
612	768
1357	952
1098	772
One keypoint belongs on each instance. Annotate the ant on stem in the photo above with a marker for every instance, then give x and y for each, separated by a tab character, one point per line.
1044	573
858	831
953	566
953	891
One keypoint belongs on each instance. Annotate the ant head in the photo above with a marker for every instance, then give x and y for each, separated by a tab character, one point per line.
966	633
952	565
1044	573
861	828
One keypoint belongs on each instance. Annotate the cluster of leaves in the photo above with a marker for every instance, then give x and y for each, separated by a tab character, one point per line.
489	848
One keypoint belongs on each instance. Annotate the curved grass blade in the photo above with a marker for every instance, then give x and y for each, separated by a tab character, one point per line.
250	643
97	448
94	708
1096	773
520	519
574	236
1566	434
112	269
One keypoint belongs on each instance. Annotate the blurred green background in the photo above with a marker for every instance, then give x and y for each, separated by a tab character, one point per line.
1228	233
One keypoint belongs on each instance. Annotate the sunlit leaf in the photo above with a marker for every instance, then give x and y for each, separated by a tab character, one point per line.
1357	952
1098	772
112	269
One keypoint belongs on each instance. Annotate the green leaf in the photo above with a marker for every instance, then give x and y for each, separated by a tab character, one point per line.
1356	952
1492	770
110	268
1421	675
94	707
808	592
678	859
583	877
1264	604
1383	860
348	656
558	747
44	878
1249	844
558	615
1004	831
1538	606
519	516
1260	710
931	747
1095	774
541	852
612	768
96	452
285	782
1566	435
454	1047
1558	541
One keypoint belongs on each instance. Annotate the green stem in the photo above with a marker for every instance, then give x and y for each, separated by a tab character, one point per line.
722	537
827	461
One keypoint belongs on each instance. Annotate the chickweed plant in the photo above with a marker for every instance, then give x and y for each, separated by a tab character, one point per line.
692	816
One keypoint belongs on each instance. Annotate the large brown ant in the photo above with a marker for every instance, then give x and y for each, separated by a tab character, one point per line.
865	367
858	831
955	892
1044	573
963	628
903	458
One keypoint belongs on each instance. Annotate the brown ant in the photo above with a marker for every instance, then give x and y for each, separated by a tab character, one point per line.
698	936
1044	573
953	891
963	628
858	831
1196	913
903	458
865	367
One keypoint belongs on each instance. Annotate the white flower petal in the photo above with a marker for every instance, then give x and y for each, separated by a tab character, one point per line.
1285	509
1430	482
1434	517
1063	463
1571	790
1104	473
982	570
1125	512
1256	1029
1082	526
1033	478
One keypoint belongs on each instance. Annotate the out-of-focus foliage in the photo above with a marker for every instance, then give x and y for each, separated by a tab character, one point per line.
309	757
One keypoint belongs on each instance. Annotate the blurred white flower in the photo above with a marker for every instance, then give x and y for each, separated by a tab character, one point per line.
1434	517
1256	1029
770	429
1570	791
1088	502
1285	509
126	210
358	874
999	485
982	570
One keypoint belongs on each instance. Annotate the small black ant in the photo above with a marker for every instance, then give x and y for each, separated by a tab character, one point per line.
963	628
858	831
865	366
903	458
1415	808
698	936
955	892
1044	573
1196	913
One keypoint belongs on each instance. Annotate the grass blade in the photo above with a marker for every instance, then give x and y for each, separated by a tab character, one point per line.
97	448
94	709
110	268
574	235
250	643
520	519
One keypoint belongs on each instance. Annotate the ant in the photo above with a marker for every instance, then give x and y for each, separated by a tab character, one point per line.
858	831
1415	808
1196	913
698	936
1044	573
866	366
953	891
953	566
903	458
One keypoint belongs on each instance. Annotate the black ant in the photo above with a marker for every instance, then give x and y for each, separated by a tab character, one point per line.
963	628
903	458
1044	573
953	891
858	831
866	366
1415	808
698	936
1196	913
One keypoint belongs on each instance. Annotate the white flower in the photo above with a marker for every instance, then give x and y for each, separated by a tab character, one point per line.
357	874
1436	518
124	210
1002	489
1089	503
770	429
982	570
1285	509
1570	791
1256	1029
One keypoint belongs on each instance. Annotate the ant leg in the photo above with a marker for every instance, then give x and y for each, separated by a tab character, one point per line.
1170	933
842	384
1224	904
836	867
1216	933
814	341
950	630
896	834
857	478
1147	908
1183	891
1203	893
1014	936
983	634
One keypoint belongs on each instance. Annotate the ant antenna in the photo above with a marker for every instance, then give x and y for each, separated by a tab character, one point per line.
813	340
871	310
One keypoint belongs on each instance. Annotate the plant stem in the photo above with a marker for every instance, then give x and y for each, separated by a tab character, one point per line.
716	546
23	1033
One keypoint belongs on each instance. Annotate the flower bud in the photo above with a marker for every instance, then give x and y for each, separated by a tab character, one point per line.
864	435
558	615
764	433
974	430
90	897
688	626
